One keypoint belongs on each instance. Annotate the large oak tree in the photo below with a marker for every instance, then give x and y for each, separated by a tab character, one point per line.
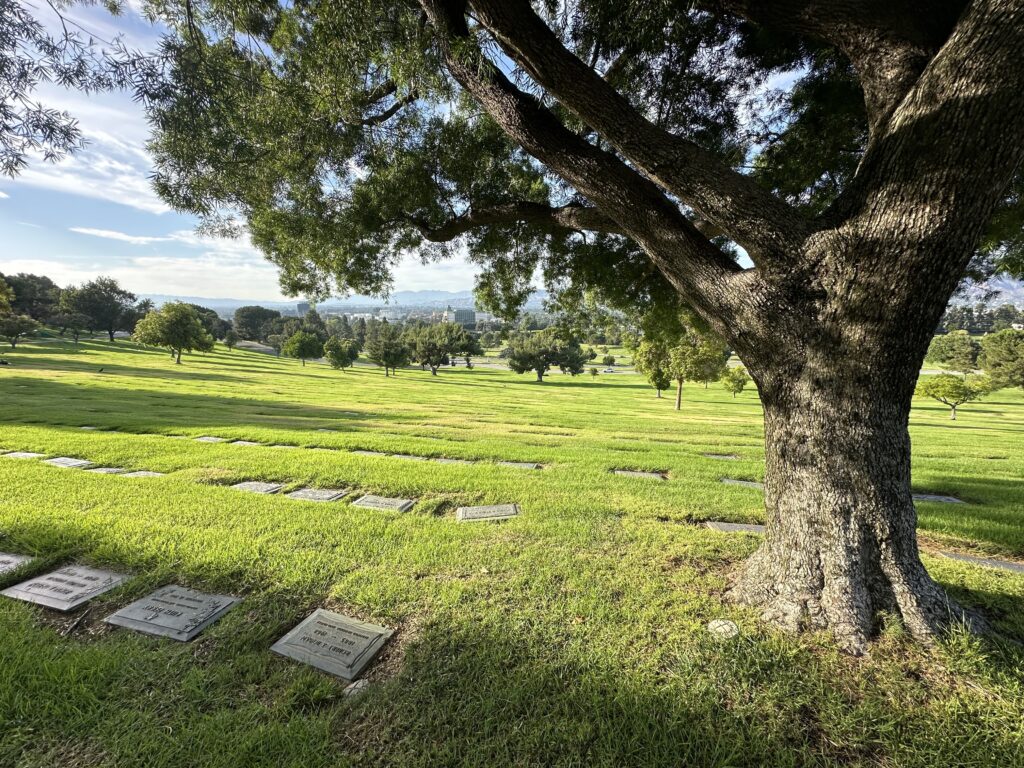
860	153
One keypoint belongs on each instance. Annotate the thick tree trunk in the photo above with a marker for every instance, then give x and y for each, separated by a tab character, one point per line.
952	414
540	376
841	541
177	358
679	394
110	332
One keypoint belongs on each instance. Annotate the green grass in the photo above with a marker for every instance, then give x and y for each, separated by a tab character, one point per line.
572	635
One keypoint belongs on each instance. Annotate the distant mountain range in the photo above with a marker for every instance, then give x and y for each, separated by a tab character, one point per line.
399	299
1007	290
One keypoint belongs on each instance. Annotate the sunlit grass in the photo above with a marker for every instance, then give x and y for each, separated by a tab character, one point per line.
571	635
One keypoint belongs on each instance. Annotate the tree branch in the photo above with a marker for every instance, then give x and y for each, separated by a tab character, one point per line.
889	42
579	218
698	269
387	114
766	226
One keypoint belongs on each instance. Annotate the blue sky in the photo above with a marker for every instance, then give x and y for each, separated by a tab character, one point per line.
94	213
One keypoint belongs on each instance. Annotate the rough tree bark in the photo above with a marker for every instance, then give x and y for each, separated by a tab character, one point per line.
834	320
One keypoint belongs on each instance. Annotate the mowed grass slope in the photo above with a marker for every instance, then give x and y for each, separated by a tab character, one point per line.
572	635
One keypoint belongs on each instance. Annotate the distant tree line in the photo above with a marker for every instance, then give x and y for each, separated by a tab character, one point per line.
981	318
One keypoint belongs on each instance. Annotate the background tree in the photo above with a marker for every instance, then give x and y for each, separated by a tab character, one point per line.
955	351
434	345
176	326
108	306
313	323
304	345
954	391
339	326
341	353
467	345
214	324
593	373
735	380
6	297
276	341
16	327
75	322
860	194
359	332
695	354
608	360
249	321
230	338
652	360
34	295
1002	357
540	351
385	347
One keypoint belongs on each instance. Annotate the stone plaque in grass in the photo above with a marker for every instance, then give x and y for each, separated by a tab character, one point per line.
937	498
257	486
68	462
369	453
318	494
244	442
520	464
640	473
383	502
143	473
734	527
67	588
325	429
23	455
89	428
491	512
208	439
722	456
106	470
744	483
409	456
9	562
452	461
336	644
172	611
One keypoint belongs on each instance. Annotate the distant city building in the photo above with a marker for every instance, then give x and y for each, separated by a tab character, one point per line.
464	317
303	308
392	315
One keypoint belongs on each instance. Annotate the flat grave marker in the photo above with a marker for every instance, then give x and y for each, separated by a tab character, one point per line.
744	483
209	439
68	463
91	429
143	473
722	456
491	512
640	473
66	588
9	562
336	644
715	525
257	486
23	455
318	494
106	470
245	442
937	498
325	429
176	612
383	502
409	456
988	562
368	453
520	464
452	461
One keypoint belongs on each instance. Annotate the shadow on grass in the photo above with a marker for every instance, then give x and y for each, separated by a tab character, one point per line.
63	404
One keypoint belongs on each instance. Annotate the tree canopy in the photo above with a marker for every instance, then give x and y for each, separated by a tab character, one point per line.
177	326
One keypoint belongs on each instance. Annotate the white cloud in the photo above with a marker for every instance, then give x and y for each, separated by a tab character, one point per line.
3	195
211	274
110	234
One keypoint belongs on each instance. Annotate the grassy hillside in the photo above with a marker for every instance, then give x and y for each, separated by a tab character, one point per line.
572	635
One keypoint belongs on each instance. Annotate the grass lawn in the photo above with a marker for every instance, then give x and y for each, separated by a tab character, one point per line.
572	635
